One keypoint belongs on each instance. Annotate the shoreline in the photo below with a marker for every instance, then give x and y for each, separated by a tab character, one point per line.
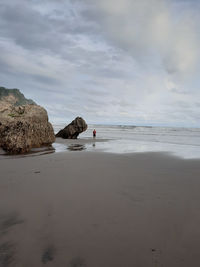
107	146
100	209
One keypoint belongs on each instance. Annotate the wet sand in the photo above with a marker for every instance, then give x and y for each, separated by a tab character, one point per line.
79	209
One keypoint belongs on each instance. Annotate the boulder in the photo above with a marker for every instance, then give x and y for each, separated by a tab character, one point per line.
72	130
24	127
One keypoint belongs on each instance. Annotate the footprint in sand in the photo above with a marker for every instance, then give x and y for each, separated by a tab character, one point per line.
48	255
7	254
77	262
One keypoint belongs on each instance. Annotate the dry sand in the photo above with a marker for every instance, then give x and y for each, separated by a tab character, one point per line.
79	209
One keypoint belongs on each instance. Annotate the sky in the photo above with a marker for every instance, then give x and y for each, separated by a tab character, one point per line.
132	62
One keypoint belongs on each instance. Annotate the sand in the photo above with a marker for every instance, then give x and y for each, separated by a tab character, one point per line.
79	209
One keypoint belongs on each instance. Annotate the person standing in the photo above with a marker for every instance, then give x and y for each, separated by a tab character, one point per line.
94	133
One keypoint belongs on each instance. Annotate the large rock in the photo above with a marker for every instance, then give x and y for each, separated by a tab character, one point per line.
24	127
72	130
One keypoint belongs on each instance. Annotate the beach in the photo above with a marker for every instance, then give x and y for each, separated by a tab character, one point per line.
96	209
100	133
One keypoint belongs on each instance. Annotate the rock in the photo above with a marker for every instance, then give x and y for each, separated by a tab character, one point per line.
72	130
24	127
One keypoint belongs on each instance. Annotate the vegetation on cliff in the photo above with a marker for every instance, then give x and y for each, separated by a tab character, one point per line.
14	97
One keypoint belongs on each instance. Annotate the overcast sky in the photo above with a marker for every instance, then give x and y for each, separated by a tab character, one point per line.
118	62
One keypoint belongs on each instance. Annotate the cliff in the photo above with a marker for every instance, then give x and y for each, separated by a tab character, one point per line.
12	97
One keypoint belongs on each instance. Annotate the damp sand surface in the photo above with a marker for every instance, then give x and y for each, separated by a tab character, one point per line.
88	209
79	144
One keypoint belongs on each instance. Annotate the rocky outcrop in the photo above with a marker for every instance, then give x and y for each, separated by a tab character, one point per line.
24	127
72	130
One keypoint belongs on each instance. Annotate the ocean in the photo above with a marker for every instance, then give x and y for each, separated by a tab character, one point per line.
182	142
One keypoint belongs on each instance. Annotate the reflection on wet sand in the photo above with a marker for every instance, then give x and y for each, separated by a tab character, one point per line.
61	145
76	147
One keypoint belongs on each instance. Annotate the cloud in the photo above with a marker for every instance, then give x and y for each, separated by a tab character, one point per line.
134	62
151	29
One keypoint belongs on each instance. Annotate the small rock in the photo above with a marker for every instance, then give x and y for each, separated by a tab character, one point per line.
72	130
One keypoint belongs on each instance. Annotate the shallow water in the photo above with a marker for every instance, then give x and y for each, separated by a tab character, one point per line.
181	142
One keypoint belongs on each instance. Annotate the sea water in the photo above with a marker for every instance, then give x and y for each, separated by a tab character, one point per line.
183	142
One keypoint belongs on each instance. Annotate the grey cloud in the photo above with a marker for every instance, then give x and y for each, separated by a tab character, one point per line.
33	30
181	92
23	25
93	91
46	80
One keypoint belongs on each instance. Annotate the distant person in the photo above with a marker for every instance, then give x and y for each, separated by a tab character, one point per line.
94	133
